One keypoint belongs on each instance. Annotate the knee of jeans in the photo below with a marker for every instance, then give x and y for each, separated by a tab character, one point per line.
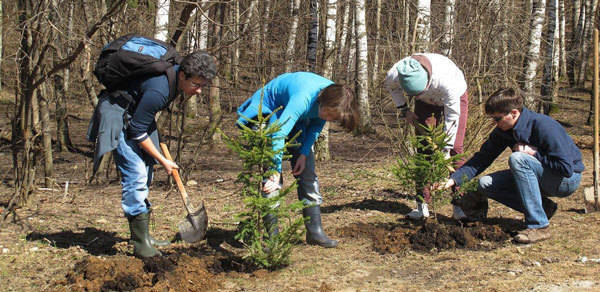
484	183
517	159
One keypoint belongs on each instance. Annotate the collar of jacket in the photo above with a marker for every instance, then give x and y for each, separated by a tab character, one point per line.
522	129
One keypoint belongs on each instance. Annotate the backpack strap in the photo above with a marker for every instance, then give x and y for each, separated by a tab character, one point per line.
172	79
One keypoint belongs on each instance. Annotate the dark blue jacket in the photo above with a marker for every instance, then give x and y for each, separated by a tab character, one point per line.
151	96
555	148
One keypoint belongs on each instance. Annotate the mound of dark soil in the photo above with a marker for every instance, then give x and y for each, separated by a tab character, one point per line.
175	272
394	238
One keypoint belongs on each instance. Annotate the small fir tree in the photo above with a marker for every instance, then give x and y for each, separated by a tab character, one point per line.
429	167
254	146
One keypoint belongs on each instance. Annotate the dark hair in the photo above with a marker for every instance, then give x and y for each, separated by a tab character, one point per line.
341	99
199	63
503	101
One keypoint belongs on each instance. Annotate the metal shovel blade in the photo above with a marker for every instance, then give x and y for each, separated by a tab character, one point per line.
194	228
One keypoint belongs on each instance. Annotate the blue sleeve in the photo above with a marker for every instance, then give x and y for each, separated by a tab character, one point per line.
310	136
552	151
151	102
296	107
488	152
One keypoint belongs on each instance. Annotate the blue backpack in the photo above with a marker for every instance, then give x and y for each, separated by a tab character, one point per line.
133	57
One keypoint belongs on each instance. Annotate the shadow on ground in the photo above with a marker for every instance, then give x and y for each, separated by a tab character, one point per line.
94	241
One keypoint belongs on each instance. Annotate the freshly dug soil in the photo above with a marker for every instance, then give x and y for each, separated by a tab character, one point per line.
428	236
175	272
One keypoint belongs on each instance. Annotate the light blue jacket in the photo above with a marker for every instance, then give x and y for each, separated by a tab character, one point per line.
297	94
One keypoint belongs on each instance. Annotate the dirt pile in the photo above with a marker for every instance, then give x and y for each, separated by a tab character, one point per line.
428	236
175	272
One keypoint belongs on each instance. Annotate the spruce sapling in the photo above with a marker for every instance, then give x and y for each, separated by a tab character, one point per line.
265	248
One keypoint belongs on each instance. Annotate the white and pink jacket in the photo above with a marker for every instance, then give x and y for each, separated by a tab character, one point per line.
445	87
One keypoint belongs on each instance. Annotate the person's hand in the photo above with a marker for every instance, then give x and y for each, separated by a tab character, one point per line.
522	147
411	117
300	165
169	166
444	185
272	183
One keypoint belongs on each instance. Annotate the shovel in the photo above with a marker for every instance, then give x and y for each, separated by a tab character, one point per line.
194	227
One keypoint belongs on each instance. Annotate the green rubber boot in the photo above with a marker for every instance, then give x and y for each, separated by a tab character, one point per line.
140	237
154	241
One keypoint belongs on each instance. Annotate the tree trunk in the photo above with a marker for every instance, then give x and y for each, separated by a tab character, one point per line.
330	51
291	42
362	74
343	43
375	73
576	39
235	58
547	82
590	13
422	43
214	105
46	136
562	38
448	37
162	20
62	87
533	52
313	36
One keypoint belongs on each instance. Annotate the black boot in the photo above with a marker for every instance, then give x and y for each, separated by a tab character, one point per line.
314	230
271	224
154	241
549	207
138	226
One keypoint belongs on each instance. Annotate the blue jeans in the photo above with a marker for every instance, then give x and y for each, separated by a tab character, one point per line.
523	185
136	175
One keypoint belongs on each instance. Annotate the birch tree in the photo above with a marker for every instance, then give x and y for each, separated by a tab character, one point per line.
530	63
423	29
448	28
291	41
375	71
547	79
362	74
162	20
329	53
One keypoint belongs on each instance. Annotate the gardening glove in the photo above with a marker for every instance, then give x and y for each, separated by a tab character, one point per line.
272	183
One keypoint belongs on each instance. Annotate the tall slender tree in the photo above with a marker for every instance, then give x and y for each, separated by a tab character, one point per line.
547	82
162	20
313	36
291	41
362	74
448	28
423	29
329	53
530	63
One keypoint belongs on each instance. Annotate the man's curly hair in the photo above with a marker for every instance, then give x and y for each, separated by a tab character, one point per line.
200	64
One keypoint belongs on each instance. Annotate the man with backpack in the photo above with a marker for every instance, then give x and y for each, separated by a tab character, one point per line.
124	120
